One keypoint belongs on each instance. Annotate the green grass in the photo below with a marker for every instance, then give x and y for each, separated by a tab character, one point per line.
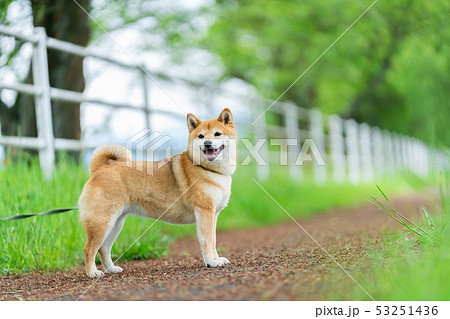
399	270
411	267
49	243
432	232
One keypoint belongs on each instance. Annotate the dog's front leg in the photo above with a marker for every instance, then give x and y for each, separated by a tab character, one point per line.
205	231
216	254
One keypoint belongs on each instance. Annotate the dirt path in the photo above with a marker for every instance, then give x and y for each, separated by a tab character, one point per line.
273	263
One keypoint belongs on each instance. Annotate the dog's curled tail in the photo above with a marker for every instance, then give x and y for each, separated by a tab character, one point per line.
104	153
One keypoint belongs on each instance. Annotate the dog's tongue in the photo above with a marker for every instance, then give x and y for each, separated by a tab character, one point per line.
210	153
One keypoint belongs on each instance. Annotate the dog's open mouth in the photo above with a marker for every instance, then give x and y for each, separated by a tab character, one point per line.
212	153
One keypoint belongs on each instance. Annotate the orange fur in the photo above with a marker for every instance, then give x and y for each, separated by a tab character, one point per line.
183	191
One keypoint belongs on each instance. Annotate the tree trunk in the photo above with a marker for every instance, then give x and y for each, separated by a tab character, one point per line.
63	20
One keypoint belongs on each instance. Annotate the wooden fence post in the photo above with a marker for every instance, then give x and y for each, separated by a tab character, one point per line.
410	143
337	148
404	152
366	152
2	149
260	131
292	131
426	159
146	96
317	134
43	103
397	152
388	151
351	144
421	163
421	158
417	160
377	152
418	156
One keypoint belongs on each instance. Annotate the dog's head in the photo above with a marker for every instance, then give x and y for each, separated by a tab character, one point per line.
213	143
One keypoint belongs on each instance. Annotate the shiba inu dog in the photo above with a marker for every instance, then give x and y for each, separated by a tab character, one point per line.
192	187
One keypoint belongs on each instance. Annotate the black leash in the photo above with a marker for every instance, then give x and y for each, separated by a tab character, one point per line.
49	212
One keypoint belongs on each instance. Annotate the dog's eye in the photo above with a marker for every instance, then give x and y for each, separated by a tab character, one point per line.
201	136
217	134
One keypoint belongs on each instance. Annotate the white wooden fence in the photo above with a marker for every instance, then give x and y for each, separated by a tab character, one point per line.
43	94
352	152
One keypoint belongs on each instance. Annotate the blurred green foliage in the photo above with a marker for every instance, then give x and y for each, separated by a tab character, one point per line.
3	7
390	69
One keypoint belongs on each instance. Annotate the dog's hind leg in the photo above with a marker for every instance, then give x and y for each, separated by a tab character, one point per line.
97	230
105	249
93	242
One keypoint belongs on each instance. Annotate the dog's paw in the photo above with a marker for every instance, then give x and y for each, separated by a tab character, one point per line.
95	274
114	270
225	260
217	262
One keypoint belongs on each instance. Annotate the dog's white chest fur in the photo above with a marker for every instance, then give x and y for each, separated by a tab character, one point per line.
220	193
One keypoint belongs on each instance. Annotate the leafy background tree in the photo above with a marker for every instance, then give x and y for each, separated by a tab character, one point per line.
389	70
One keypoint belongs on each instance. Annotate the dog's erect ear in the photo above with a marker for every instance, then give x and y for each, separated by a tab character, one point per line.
192	122
226	117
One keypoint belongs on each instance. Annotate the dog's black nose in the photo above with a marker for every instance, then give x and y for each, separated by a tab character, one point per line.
207	144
